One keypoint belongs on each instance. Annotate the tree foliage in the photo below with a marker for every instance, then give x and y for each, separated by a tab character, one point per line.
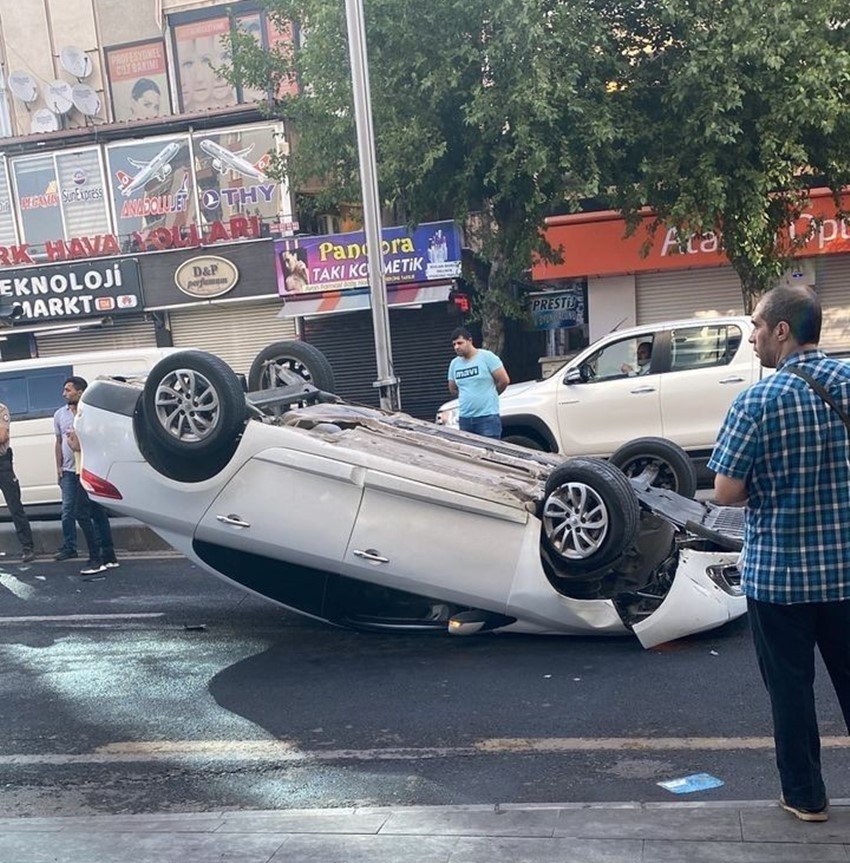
726	113
490	112
717	115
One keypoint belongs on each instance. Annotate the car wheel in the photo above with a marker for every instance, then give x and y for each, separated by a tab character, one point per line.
658	462
523	440
194	404
285	363
590	516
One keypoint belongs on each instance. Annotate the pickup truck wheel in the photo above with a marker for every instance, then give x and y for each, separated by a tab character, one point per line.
194	405
658	462
590	516
522	440
284	363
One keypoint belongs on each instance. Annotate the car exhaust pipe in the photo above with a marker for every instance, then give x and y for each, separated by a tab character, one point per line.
470	622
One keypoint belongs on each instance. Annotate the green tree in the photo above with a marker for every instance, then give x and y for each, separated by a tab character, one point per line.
726	113
490	112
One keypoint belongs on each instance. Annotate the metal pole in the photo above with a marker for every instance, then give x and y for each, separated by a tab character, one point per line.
387	382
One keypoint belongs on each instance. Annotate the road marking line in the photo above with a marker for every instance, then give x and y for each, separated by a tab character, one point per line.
77	618
280	751
16	586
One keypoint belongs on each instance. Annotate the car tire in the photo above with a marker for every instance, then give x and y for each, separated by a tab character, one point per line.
590	516
523	441
194	405
659	462
283	363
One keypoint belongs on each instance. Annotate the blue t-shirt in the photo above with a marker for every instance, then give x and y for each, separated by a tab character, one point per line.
475	385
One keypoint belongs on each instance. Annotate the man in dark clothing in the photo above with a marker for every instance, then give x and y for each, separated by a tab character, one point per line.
11	489
785	454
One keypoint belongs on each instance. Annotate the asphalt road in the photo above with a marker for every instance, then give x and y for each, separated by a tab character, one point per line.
156	687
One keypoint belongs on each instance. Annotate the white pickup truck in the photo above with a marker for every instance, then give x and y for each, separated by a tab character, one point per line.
602	399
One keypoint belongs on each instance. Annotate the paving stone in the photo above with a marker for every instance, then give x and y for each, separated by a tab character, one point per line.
720	824
447	822
491	850
741	852
324	821
777	825
137	846
366	849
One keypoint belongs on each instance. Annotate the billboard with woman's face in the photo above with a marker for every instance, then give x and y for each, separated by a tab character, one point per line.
201	53
138	80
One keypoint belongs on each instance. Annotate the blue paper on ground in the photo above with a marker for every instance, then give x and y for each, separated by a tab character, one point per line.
694	782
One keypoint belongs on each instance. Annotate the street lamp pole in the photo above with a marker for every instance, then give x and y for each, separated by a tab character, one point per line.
387	383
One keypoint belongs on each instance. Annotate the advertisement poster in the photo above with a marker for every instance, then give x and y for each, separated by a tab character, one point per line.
84	201
151	186
138	80
37	191
339	262
553	310
200	51
230	168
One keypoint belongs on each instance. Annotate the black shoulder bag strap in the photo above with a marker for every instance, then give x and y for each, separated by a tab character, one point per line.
821	391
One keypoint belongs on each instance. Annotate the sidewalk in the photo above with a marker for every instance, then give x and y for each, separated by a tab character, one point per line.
130	536
681	832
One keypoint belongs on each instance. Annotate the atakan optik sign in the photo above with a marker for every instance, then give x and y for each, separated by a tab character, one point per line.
103	287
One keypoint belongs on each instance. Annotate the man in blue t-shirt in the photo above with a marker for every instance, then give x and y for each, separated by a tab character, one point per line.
476	377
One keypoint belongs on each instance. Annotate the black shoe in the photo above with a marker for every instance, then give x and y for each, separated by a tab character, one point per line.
92	567
65	554
112	563
28	556
821	814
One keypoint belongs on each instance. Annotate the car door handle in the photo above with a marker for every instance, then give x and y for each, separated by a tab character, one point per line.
735	380
370	554
232	519
641	390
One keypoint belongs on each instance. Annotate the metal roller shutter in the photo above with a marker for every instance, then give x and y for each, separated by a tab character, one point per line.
236	332
132	331
687	294
833	285
421	348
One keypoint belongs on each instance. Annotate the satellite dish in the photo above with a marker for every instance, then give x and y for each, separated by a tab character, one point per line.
58	97
44	120
86	100
23	85
75	61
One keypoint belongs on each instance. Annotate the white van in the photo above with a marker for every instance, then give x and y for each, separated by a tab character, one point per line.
32	390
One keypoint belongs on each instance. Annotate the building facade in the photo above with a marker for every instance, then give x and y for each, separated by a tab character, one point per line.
641	278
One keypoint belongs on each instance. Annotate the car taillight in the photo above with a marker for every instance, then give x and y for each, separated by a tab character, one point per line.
97	485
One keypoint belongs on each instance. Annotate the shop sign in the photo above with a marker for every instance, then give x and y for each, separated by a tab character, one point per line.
596	244
552	310
73	291
156	239
338	262
206	276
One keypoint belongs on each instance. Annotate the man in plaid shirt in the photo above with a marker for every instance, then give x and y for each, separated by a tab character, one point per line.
785	454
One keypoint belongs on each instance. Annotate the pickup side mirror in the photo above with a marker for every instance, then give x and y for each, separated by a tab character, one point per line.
577	375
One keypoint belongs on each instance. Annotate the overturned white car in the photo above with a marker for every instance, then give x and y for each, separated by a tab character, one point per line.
374	520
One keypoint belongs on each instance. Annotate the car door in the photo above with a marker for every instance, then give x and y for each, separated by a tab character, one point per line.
709	365
286	504
437	541
616	400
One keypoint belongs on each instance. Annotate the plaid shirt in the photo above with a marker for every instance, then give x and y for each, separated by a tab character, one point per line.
793	452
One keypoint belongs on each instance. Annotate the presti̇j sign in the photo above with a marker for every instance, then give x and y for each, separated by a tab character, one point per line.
336	262
73	291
